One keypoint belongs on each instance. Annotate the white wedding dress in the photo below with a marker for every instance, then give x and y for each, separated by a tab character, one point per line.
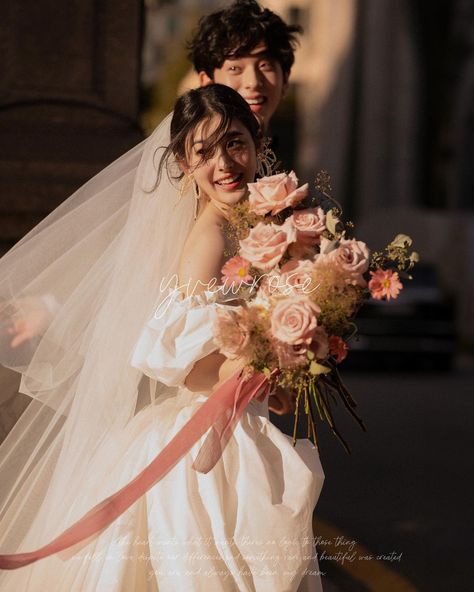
244	526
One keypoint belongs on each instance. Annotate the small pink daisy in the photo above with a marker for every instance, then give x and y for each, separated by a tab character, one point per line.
338	348
385	283
236	271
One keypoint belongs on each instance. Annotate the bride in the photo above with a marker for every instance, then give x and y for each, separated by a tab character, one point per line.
125	360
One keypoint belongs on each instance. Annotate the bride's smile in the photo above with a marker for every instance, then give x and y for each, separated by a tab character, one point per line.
222	167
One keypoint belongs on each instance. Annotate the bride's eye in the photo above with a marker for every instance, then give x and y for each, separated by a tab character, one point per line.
235	145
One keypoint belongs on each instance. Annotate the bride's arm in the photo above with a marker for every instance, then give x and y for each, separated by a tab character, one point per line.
200	264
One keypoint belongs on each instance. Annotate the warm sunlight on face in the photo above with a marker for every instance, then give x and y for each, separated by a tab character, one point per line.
257	77
223	175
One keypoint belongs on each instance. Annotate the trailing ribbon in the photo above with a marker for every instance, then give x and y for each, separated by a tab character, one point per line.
220	412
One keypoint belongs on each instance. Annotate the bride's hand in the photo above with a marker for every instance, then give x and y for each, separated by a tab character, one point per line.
33	320
281	401
230	367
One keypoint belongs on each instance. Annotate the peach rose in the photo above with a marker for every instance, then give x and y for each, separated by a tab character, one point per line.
232	331
296	277
309	224
266	244
275	193
351	258
294	320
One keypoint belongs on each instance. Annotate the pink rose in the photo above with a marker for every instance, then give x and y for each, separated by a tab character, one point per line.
296	276
351	258
232	331
275	193
309	224
294	320
265	245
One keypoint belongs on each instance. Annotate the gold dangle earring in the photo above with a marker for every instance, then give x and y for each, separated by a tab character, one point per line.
184	184
197	195
266	159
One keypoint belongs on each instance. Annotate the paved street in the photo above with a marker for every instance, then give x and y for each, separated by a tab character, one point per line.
405	492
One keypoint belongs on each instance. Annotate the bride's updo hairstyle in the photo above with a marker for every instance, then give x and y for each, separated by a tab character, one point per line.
202	104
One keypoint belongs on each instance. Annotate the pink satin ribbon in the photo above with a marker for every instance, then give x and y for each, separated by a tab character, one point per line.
220	412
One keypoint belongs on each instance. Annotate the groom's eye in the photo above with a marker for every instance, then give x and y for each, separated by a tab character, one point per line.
267	65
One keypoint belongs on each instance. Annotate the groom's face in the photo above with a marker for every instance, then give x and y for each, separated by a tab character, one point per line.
256	76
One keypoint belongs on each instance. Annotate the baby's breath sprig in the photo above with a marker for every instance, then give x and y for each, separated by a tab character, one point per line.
397	252
323	183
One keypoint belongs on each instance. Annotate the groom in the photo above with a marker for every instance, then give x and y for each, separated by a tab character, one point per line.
248	48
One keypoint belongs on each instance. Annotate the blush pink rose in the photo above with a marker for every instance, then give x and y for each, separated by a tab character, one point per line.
275	193
266	244
294	320
232	332
309	224
351	258
296	277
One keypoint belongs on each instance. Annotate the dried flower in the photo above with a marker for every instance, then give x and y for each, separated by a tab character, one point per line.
338	348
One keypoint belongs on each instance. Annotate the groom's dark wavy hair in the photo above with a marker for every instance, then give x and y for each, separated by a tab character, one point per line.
234	31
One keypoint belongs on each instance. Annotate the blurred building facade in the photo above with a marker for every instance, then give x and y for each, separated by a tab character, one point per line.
69	101
382	97
385	103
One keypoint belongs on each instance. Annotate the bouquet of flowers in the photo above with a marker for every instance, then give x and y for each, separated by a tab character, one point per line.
300	277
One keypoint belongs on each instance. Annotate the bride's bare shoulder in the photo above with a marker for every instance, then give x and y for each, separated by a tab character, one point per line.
201	258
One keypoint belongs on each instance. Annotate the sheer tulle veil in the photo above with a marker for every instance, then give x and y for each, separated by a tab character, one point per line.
103	258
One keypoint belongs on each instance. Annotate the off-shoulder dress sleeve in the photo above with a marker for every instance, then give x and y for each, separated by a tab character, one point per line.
179	333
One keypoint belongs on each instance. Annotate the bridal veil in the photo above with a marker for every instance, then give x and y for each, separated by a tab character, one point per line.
99	262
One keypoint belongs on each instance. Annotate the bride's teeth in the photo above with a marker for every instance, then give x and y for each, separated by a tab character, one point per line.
228	181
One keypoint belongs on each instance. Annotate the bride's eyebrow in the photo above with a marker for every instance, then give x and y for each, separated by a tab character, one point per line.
228	136
232	134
